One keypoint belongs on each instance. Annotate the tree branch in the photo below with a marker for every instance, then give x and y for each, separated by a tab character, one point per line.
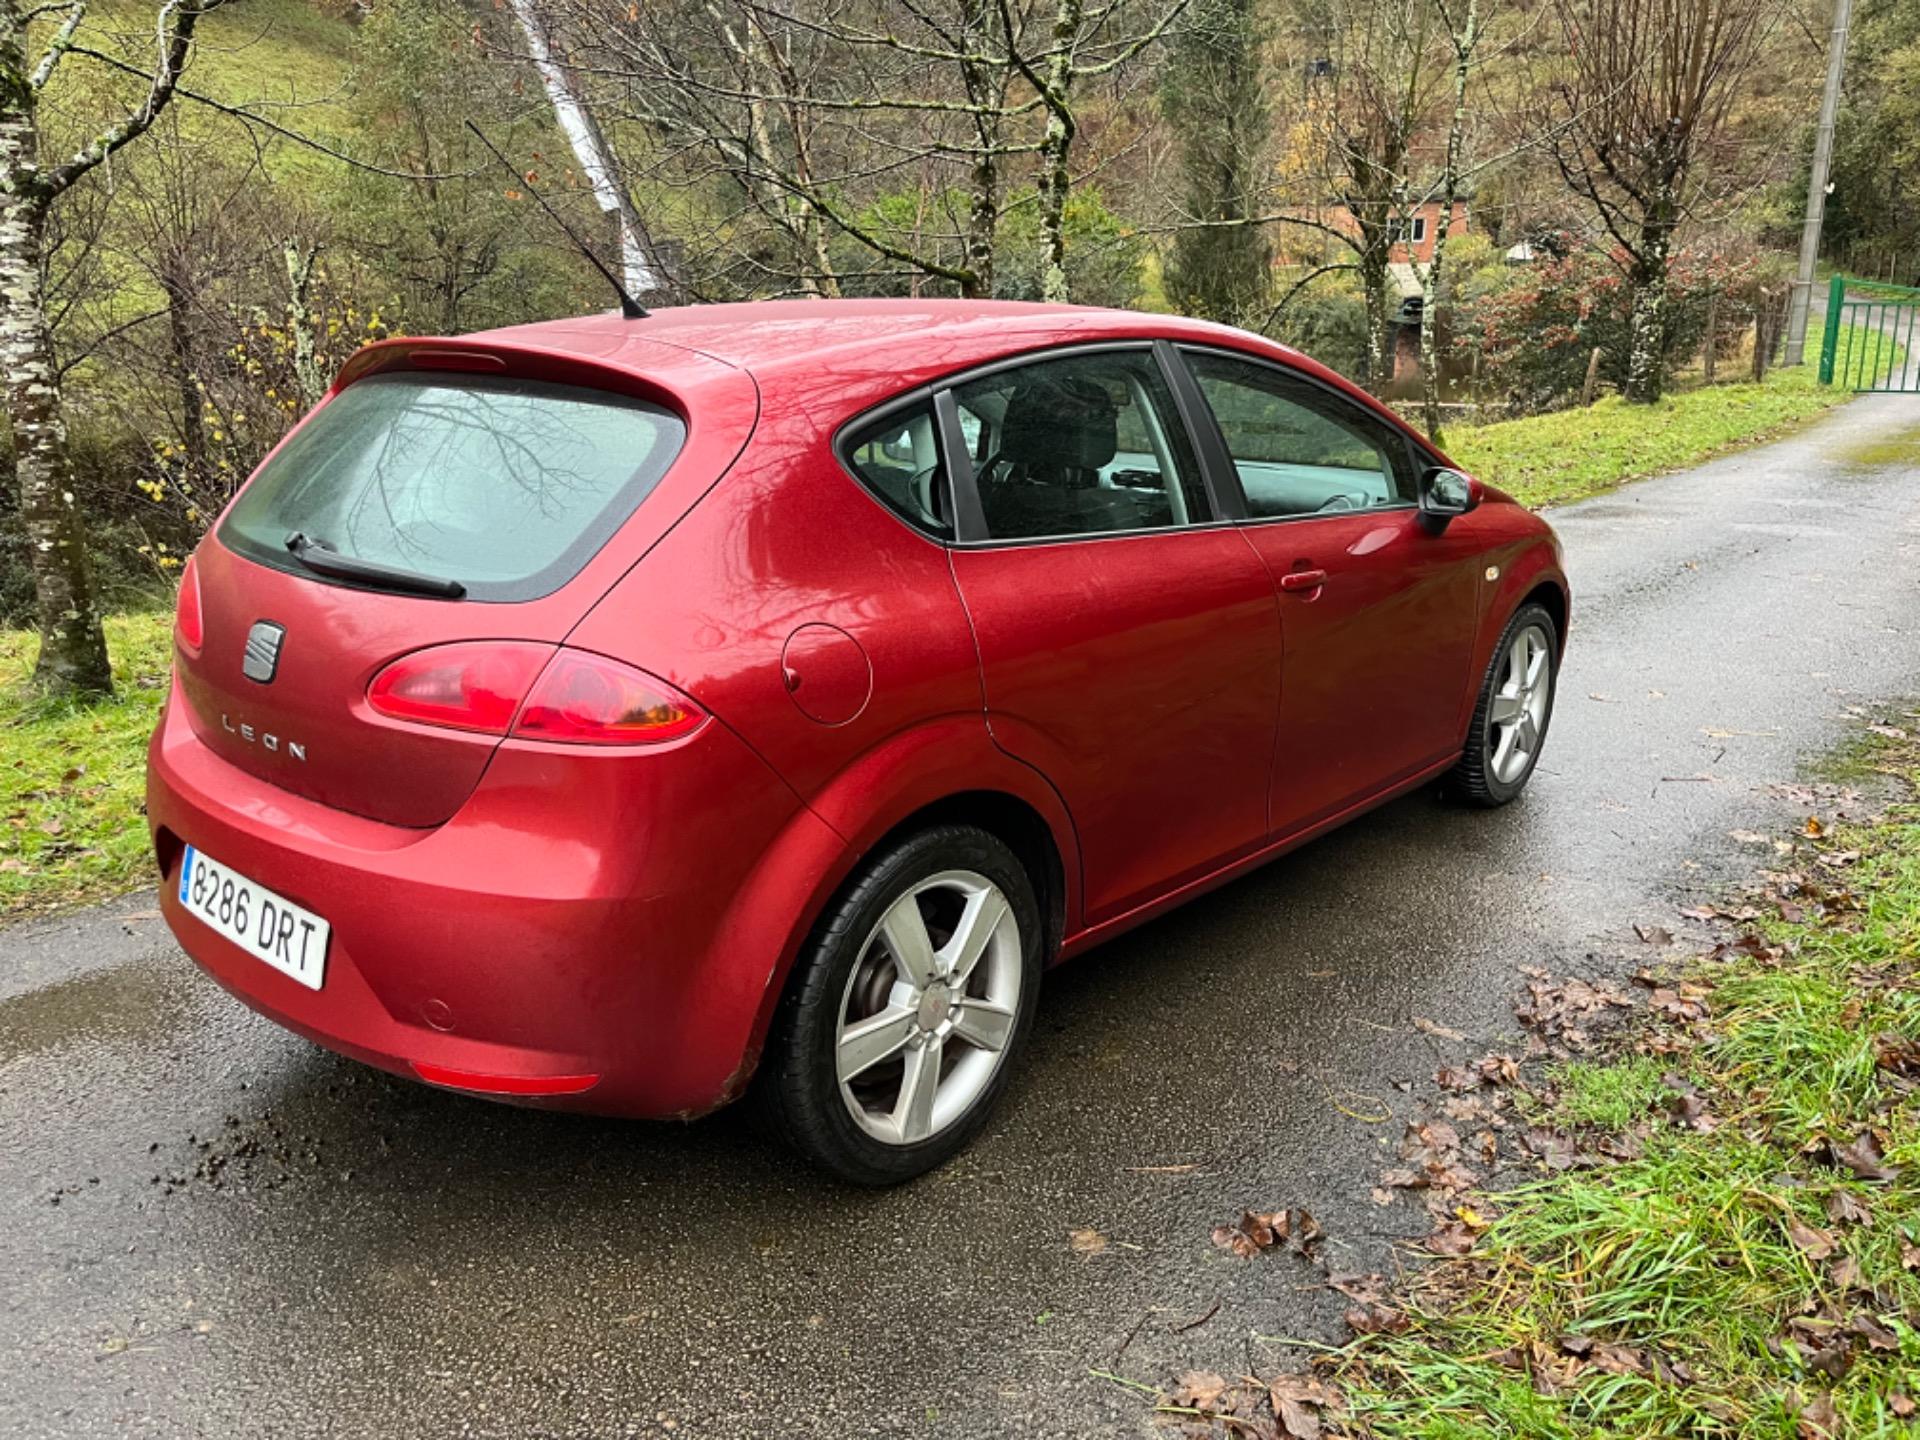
251	117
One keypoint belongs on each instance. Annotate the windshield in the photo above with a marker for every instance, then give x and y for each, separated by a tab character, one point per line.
506	486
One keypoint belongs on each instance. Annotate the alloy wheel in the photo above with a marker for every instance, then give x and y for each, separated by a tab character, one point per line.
1517	716
929	1008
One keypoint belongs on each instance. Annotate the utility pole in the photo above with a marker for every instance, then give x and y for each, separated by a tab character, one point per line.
1817	185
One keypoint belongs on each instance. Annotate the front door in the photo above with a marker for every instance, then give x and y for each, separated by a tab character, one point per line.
1129	641
1376	608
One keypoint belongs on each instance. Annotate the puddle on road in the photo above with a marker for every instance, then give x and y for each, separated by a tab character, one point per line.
129	1004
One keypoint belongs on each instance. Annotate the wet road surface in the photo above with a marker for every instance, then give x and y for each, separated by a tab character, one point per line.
212	1228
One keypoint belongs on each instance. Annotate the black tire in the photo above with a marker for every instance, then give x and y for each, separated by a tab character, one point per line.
1475	779
797	1088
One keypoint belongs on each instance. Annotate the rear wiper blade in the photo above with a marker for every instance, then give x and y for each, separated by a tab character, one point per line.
323	559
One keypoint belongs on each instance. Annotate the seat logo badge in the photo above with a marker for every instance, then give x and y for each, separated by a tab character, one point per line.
263	651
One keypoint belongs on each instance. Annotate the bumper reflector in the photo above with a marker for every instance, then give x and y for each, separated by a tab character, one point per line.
504	1084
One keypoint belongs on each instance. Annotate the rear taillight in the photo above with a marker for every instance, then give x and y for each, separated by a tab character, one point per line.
477	685
577	698
186	615
587	699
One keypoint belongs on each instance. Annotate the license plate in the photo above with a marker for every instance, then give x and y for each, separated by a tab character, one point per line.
287	936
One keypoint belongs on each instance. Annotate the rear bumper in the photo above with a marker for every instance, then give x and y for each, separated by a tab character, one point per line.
580	916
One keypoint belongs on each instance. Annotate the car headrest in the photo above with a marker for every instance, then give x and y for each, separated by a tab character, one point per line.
1059	424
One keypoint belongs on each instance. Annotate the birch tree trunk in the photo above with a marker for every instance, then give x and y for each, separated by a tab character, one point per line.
640	274
73	647
306	366
1372	266
1465	39
983	205
1056	148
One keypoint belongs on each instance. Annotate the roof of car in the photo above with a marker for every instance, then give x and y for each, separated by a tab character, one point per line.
842	356
768	336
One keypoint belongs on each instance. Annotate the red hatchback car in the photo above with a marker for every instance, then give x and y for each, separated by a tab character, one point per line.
628	714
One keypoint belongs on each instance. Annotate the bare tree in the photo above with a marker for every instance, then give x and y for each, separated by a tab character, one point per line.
1373	73
73	647
809	112
1465	28
1080	48
1644	96
889	124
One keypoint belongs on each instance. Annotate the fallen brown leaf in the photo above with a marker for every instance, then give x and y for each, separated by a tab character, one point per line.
1453	1239
1814	1243
1844	1208
1818	1420
1297	1401
1877	1336
1898	1053
1375	1319
1863	1158
1199	1389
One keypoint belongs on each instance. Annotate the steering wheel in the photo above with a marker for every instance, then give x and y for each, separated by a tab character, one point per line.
1336	502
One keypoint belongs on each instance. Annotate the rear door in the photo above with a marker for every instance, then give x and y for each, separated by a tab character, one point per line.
1128	638
435	508
1376	609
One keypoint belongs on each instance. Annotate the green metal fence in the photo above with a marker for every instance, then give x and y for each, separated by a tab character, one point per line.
1869	340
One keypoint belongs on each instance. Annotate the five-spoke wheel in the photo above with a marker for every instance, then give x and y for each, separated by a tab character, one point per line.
1517	718
929	1007
1516	702
902	1021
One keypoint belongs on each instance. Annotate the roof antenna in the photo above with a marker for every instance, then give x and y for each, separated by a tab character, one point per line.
629	307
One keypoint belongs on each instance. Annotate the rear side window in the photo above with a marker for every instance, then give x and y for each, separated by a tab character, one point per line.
507	486
898	458
1083	444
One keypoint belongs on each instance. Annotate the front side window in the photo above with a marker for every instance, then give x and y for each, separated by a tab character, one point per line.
1297	449
1085	444
898	459
506	486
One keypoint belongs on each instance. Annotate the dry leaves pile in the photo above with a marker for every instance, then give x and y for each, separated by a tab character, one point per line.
1289	1407
1258	1231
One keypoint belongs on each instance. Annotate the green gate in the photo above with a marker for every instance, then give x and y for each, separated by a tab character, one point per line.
1870	336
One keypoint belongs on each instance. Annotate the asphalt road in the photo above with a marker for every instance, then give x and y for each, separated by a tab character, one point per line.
210	1227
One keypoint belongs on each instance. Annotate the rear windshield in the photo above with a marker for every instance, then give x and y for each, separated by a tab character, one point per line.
507	486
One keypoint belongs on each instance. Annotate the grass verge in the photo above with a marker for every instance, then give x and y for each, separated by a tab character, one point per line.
1734	1248
73	780
1571	454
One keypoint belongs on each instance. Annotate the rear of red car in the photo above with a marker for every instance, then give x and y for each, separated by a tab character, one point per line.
393	809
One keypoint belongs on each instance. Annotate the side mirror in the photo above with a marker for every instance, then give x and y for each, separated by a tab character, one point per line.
1445	494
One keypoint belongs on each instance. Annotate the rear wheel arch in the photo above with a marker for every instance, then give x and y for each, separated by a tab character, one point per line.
1018	825
946	772
1015	821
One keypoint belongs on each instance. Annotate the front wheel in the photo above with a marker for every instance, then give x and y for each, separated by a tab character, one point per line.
1510	721
907	1009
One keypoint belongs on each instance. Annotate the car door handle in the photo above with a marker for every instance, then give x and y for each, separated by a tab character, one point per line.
1303	579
